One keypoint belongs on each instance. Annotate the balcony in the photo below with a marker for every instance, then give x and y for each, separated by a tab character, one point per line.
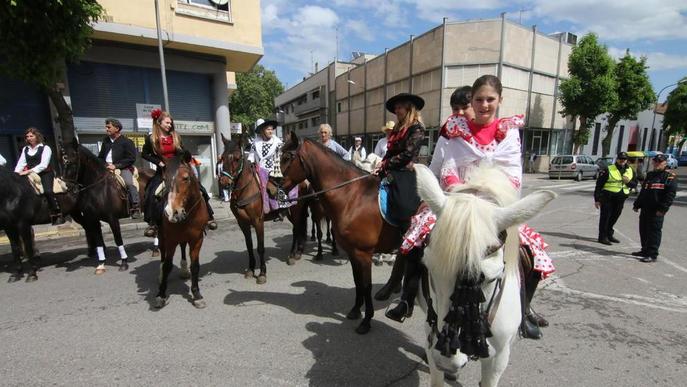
309	107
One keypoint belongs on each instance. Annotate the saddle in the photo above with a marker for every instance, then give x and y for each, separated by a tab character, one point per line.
120	179
383	201
59	186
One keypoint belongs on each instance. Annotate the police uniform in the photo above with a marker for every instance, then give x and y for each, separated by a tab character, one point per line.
654	200
611	192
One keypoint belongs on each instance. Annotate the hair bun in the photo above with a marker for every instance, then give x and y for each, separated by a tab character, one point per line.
155	113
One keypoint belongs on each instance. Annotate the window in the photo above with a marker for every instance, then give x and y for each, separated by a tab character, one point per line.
338	107
315	121
316	94
214	4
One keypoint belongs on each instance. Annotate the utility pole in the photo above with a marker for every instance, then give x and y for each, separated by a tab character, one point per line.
162	56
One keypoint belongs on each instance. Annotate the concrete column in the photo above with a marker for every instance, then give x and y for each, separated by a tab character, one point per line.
222	118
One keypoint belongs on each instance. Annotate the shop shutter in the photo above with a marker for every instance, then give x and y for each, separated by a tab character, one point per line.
23	105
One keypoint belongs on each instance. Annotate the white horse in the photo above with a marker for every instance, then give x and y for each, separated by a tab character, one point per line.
371	162
465	243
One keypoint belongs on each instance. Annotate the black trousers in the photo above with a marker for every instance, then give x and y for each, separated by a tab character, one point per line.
153	208
47	180
650	231
611	208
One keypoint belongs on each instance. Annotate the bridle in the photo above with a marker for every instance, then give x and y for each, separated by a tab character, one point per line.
75	186
233	179
174	184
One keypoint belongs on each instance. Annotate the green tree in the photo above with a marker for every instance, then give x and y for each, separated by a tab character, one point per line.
591	89
634	94
254	96
675	118
38	38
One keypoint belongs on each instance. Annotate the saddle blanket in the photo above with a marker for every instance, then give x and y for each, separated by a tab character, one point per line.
383	200
58	185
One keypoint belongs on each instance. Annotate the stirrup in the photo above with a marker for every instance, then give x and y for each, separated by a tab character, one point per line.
392	314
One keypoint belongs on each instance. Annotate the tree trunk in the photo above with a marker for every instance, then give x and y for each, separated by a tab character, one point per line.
576	140
65	117
606	142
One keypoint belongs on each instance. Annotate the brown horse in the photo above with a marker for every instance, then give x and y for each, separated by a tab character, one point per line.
184	220
358	226
318	216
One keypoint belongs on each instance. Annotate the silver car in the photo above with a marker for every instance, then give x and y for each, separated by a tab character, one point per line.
577	167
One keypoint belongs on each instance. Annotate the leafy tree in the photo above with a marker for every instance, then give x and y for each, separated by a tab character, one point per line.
675	118
591	89
634	91
37	39
254	95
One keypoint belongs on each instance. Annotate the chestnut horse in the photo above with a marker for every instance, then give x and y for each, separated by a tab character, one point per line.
246	204
184	219
358	226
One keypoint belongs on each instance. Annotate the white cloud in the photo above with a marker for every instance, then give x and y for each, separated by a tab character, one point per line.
360	29
627	20
655	60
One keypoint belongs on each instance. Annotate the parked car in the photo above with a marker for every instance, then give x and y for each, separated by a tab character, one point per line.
604	162
682	160
573	166
672	161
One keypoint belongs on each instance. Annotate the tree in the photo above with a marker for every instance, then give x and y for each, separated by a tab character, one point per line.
675	118
634	94
38	38
591	89
254	95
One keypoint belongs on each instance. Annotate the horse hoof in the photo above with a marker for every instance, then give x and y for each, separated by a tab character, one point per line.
318	257
248	274
160	302
155	253
15	277
32	277
262	279
199	304
312	238
100	270
354	314
123	266
185	274
363	328
291	261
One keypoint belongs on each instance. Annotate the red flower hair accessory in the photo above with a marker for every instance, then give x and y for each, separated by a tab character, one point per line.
155	113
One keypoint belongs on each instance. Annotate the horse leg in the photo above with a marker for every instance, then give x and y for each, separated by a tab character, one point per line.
335	250
79	218
260	234
318	257
27	240
100	246
117	233
493	366
354	313
195	268
167	255
245	228
365	267
393	285
183	265
312	230
15	243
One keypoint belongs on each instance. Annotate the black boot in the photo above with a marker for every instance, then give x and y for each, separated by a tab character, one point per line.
212	225
531	284
55	211
393	285
413	272
528	329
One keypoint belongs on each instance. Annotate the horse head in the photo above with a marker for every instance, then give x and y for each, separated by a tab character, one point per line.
182	186
291	162
468	239
233	161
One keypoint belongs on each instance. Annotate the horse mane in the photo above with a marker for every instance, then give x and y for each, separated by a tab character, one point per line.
466	229
91	158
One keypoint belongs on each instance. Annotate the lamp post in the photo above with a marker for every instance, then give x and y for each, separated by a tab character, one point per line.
162	56
658	97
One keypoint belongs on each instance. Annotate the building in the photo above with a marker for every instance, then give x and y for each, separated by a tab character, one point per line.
305	106
120	77
530	65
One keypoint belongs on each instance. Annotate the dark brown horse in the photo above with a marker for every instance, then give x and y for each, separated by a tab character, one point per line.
358	227
318	217
246	204
183	222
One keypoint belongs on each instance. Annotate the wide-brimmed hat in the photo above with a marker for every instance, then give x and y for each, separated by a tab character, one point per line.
661	157
261	124
388	126
405	97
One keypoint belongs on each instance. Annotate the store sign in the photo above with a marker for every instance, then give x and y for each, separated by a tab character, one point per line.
194	127
235	128
143	119
97	124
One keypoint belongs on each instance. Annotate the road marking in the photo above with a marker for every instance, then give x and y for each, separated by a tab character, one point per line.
557	185
579	187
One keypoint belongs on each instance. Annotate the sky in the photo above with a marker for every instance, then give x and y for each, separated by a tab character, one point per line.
298	33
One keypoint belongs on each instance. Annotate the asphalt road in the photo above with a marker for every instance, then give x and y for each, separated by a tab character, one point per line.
614	320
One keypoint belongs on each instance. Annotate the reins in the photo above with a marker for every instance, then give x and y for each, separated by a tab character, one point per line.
235	192
320	192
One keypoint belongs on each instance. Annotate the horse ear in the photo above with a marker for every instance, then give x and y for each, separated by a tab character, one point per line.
224	140
186	156
75	143
523	209
428	188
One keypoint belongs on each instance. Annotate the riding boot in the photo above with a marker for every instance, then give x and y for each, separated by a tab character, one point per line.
55	211
531	283
413	272
212	225
528	329
393	285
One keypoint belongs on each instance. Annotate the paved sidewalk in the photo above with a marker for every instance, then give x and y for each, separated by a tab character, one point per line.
73	229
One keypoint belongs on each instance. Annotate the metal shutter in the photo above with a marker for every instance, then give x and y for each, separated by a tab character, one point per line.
23	105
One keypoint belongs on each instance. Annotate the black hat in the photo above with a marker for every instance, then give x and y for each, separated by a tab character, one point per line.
621	156
261	124
660	157
403	97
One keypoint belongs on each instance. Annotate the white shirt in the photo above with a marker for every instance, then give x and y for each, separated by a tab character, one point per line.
2	161
264	153
45	158
380	148
108	158
351	150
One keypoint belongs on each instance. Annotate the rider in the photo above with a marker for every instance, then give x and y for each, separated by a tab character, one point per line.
327	141
357	152
380	148
403	148
119	152
163	143
35	157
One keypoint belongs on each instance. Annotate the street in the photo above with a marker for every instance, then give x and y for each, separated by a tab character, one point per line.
614	320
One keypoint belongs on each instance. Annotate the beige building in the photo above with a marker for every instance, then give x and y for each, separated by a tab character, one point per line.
205	42
432	65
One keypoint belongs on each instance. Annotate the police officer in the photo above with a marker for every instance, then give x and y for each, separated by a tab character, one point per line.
612	188
656	196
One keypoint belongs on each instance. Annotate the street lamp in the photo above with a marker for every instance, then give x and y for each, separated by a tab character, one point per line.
658	97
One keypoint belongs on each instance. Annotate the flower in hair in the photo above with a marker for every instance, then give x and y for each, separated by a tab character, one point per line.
155	113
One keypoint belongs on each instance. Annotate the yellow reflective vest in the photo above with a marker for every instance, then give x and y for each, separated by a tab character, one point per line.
615	179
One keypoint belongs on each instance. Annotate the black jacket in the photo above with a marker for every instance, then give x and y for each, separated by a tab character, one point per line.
658	191
123	152
401	153
600	193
